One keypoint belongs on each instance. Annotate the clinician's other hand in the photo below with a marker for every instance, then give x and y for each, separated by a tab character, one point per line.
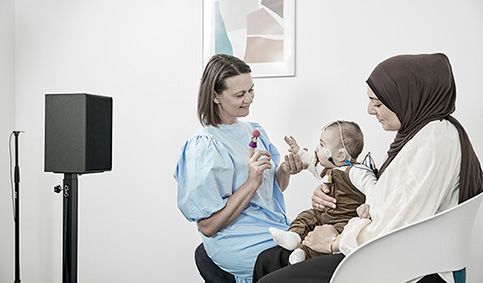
293	164
320	199
258	161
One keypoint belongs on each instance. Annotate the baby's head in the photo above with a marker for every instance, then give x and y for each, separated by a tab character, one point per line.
341	142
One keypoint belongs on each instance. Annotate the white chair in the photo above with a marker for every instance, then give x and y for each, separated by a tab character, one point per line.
436	244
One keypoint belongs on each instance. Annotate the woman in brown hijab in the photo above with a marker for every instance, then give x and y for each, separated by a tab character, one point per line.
431	165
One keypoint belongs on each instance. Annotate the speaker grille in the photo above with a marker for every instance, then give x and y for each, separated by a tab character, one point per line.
78	133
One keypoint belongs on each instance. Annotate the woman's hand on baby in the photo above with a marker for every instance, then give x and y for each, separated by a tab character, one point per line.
292	143
320	199
363	211
258	161
321	238
293	164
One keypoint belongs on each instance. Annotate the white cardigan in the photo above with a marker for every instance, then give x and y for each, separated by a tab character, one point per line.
421	181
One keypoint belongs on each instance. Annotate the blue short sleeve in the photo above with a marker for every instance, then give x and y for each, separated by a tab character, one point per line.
205	177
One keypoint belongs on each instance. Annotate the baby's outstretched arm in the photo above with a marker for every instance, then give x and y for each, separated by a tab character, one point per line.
307	157
295	149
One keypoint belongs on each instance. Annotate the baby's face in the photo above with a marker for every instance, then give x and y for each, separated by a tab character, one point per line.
328	145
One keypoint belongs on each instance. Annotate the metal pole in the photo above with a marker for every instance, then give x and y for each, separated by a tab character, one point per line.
17	211
69	262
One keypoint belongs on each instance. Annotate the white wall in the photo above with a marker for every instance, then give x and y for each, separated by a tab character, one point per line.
7	106
147	56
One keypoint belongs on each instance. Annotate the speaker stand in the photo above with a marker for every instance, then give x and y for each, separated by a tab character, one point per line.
69	250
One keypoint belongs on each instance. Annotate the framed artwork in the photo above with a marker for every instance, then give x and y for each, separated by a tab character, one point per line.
260	32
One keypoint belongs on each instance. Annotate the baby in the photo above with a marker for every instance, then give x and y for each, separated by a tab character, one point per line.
334	164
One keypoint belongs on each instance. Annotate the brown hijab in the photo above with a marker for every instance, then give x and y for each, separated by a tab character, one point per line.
421	89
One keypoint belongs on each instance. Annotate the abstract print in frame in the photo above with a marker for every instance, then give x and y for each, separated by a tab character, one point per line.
260	32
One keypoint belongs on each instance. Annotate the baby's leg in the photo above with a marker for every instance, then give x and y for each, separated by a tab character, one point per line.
306	222
302	253
309	253
300	227
315	218
339	226
298	255
286	239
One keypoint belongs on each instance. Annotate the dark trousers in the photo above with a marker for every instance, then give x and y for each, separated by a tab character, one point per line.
272	266
210	272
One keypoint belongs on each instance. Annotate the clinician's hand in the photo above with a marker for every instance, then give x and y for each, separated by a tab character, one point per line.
293	164
258	161
320	199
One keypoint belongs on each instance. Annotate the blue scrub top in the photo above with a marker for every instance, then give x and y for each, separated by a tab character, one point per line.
213	164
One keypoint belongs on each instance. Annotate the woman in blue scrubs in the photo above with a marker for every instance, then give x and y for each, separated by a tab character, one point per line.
234	193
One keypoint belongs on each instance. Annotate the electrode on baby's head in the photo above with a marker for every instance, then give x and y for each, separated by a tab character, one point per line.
255	135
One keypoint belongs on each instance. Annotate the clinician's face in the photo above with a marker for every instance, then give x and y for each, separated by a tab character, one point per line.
386	117
235	100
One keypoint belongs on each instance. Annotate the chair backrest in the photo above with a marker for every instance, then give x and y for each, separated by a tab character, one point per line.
436	244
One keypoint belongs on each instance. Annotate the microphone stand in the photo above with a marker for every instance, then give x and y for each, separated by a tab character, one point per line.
17	210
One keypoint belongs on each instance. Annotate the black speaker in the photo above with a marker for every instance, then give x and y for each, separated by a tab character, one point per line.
78	133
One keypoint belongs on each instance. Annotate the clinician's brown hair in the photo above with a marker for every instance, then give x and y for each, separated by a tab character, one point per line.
219	68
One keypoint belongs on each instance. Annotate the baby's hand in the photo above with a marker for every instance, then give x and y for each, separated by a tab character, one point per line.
294	147
363	211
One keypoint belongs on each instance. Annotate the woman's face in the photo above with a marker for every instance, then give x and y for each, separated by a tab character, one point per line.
236	99
386	117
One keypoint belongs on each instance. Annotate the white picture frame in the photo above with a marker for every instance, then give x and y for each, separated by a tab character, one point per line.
260	32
